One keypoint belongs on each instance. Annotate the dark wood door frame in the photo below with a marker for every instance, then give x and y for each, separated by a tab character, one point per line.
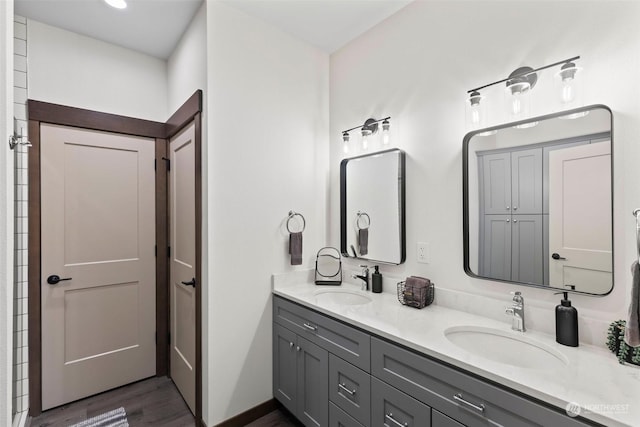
42	112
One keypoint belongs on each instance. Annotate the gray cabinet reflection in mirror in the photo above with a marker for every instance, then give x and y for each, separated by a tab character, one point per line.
538	201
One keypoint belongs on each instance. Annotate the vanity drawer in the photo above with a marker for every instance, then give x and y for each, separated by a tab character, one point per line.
339	418
441	420
461	396
350	389
348	343
393	408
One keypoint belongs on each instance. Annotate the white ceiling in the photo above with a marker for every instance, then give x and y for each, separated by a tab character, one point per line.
154	27
150	26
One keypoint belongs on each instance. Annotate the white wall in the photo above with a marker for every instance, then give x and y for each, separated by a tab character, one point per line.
6	209
70	69
187	65
268	154
186	73
417	66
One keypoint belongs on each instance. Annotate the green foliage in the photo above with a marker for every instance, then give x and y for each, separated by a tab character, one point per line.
616	343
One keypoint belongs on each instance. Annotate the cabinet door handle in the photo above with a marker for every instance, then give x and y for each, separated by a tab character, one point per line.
298	348
515	220
310	327
389	416
515	208
508	220
344	387
507	207
459	398
290	344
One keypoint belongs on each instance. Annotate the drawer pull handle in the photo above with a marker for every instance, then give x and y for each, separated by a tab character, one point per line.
480	408
389	416
344	387
310	327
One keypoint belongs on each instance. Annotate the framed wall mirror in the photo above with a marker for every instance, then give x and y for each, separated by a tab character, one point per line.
372	207
538	201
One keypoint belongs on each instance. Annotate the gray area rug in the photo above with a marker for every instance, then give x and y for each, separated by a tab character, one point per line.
115	418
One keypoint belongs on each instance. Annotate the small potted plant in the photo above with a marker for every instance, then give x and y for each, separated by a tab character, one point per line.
617	345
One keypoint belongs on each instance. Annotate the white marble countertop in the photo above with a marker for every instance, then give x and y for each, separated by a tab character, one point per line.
607	392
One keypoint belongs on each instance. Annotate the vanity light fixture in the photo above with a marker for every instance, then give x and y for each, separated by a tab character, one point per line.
367	129
519	85
118	4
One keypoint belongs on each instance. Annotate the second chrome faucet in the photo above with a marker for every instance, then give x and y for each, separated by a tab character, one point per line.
364	277
516	311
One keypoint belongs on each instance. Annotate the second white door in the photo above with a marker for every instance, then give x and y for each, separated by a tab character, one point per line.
182	238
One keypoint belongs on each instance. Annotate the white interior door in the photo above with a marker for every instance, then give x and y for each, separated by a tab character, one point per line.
182	238
580	217
98	236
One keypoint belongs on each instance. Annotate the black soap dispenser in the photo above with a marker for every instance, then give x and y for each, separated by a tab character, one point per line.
376	281
567	321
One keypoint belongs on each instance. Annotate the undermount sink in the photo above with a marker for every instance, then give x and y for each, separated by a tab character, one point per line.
505	347
341	296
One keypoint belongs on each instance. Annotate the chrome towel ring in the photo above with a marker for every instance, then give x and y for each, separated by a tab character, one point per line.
368	223
292	215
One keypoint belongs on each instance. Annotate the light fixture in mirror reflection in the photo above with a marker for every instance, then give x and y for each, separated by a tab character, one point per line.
538	201
372	200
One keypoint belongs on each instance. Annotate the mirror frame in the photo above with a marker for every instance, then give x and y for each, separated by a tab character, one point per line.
403	210
465	196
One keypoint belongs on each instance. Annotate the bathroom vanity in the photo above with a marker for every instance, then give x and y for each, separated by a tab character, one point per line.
360	359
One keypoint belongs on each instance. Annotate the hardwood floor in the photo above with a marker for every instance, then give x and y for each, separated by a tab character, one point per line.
152	402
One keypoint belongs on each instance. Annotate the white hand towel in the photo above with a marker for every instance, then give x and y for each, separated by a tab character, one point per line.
632	330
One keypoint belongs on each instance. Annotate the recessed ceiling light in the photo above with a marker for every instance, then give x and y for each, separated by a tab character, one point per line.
118	4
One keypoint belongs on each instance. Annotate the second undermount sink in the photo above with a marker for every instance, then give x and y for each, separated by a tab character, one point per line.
341	296
505	347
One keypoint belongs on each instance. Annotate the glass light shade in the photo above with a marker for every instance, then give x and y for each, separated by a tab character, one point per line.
568	86
476	111
366	136
385	132
346	144
518	100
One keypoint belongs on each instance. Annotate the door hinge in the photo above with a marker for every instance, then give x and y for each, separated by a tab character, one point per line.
168	163
169	337
155	164
156	337
168	251
156	250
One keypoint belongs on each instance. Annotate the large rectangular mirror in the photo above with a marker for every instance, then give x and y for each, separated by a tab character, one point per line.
538	201
372	217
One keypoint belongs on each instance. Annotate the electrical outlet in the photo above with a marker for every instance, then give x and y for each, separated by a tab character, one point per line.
422	252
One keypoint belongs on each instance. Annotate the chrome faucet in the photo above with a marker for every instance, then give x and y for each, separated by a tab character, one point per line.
516	311
364	277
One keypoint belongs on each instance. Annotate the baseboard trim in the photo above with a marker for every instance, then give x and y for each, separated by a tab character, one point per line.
251	415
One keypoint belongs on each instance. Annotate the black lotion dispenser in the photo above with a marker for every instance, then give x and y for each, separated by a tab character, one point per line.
376	279
567	321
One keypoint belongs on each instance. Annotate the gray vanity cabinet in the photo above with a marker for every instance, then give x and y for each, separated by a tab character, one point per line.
403	388
300	377
339	418
463	398
441	420
393	408
511	220
496	256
